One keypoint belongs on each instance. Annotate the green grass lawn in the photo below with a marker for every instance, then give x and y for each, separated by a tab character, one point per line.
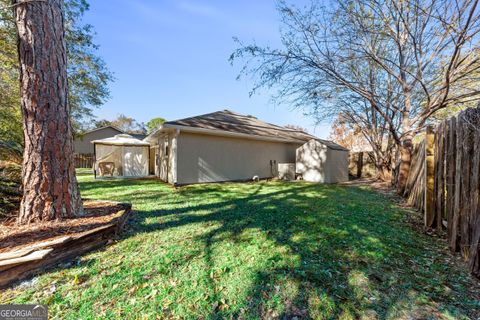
257	251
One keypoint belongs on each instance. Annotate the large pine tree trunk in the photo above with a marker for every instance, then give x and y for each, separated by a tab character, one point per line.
50	188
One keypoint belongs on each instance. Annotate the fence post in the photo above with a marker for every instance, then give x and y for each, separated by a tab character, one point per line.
458	203
450	163
359	164
429	216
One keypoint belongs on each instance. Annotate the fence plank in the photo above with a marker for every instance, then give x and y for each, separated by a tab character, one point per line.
451	165
474	254
457	205
440	176
415	188
429	177
465	177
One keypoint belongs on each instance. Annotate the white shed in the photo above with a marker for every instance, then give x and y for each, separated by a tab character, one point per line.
322	161
121	156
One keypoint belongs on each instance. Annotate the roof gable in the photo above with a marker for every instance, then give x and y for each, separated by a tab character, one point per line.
100	129
326	143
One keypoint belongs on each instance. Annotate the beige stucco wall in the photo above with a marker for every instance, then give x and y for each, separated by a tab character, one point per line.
83	143
208	158
311	161
317	163
336	166
165	157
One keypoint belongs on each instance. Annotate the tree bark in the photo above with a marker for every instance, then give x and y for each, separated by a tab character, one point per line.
405	162
405	147
359	164
50	188
384	173
381	159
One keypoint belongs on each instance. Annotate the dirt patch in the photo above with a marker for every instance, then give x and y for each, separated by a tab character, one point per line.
378	185
97	214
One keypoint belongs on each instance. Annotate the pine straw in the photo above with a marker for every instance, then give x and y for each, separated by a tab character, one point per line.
98	213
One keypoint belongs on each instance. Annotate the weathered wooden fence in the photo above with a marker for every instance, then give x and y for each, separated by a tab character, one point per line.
444	183
361	164
83	160
415	188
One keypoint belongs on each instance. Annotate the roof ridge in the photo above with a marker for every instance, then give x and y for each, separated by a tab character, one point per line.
100	128
281	128
194	117
270	124
236	121
259	120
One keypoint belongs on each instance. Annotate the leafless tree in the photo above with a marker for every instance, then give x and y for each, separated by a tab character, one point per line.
405	60
296	127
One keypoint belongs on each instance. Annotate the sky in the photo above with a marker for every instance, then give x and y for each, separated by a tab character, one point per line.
170	58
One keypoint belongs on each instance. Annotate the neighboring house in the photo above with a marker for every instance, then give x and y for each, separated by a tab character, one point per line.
82	143
227	146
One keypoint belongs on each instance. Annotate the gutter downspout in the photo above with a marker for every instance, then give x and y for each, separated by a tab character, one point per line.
175	157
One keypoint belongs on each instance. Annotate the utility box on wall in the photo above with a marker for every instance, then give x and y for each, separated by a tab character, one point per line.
286	171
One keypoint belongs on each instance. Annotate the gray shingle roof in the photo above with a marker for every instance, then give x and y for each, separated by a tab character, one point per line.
139	136
230	121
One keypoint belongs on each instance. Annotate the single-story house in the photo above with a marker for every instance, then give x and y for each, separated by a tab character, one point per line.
227	146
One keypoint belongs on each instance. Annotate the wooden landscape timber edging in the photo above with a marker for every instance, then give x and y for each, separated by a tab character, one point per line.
28	261
444	182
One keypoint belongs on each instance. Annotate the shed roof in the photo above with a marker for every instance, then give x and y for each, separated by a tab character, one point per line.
121	140
229	121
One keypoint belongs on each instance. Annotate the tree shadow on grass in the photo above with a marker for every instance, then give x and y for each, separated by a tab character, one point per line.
344	252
